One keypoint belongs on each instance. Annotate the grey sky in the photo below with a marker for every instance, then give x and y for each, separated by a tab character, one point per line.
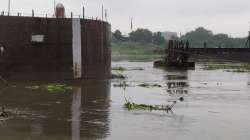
220	16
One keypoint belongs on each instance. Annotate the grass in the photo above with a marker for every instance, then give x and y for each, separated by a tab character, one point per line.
136	51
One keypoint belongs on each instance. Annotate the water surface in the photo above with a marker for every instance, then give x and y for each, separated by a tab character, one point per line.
216	106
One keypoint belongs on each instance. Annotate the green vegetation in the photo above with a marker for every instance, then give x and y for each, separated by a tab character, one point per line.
55	88
136	48
202	36
141	44
229	67
133	106
136	51
122	84
119	69
52	88
149	85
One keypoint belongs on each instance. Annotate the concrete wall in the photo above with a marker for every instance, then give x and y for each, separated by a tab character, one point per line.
52	58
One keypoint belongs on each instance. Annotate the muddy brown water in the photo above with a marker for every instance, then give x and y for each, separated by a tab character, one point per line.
216	106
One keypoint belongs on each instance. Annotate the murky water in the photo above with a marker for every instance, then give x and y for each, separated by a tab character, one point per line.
216	106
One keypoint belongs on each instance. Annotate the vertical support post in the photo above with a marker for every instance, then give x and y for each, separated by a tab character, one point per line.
106	15
83	12
102	12
33	13
77	48
76	113
71	15
249	39
9	8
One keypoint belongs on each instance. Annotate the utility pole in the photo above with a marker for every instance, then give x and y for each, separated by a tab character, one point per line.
55	7
9	8
102	12
131	24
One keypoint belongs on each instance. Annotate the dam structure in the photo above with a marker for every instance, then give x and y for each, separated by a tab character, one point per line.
48	48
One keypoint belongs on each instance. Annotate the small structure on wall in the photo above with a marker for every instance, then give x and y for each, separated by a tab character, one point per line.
60	11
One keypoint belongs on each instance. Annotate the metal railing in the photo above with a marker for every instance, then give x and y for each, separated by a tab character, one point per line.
39	15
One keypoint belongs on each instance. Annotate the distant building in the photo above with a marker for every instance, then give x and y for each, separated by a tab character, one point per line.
169	35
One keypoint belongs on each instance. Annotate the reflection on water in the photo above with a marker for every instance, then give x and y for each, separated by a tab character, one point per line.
216	106
76	113
177	84
82	112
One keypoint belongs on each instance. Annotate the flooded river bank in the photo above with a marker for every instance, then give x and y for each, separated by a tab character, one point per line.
216	106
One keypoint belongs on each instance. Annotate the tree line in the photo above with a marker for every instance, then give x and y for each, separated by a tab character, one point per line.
196	38
140	35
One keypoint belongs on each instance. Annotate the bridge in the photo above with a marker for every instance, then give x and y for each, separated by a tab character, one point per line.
179	54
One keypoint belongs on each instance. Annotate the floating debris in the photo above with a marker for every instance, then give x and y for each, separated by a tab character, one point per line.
118	76
119	69
52	88
229	67
33	87
149	85
55	88
122	84
3	114
134	106
181	99
139	69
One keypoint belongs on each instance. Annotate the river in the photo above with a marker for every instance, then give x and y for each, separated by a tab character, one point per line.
215	107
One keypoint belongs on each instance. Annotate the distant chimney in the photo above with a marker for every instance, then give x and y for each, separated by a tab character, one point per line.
60	11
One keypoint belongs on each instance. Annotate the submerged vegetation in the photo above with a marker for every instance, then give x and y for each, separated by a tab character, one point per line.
52	88
119	68
133	106
149	85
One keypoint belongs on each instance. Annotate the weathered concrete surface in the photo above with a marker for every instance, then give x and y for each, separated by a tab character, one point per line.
52	58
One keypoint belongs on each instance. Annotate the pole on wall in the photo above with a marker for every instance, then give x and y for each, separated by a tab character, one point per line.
55	7
102	12
9	8
83	12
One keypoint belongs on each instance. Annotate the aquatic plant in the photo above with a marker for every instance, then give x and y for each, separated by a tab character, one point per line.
56	87
122	84
133	106
52	88
119	68
229	67
139	69
149	85
118	76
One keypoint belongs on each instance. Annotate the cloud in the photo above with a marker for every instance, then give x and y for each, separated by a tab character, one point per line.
227	16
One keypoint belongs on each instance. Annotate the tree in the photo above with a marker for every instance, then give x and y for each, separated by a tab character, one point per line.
158	39
118	35
141	35
201	35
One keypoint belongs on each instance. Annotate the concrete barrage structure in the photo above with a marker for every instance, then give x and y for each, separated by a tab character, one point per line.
54	48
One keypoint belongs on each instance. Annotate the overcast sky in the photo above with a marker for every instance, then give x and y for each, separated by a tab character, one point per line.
220	16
